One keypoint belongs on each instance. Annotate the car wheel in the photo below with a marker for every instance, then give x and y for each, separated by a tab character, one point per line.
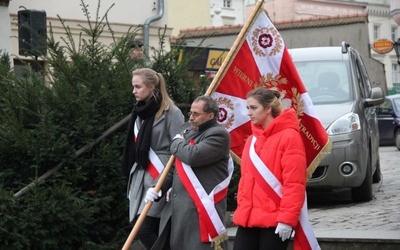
377	177
397	139
364	192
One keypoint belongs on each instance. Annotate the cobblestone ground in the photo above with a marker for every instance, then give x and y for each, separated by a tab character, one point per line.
335	211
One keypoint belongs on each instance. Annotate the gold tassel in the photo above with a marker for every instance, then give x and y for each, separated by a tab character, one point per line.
216	242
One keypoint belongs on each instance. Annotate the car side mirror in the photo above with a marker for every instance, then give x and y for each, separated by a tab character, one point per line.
376	98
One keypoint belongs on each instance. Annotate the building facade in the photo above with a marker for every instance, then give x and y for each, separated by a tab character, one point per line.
147	17
227	12
177	15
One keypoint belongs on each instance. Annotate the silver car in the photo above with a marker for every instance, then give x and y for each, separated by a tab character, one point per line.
338	84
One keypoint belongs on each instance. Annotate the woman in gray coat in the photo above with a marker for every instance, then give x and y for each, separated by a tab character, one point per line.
155	120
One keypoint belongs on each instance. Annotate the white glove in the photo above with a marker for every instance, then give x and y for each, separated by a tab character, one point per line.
178	136
152	195
284	231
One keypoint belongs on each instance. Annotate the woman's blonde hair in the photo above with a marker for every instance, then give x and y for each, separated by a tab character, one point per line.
268	98
156	80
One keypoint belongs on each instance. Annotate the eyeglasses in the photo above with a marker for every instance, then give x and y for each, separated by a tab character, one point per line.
194	114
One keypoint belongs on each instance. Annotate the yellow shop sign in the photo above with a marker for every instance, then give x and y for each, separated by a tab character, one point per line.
215	58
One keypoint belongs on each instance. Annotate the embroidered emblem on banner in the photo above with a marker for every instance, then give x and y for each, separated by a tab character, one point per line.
298	104
270	81
226	114
266	38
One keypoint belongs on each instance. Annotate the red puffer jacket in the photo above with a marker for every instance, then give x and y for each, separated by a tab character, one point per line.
281	148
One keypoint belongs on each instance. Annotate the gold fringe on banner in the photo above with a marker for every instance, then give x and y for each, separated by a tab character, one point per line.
314	164
216	242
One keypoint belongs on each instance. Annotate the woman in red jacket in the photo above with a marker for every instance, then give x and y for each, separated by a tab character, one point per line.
272	186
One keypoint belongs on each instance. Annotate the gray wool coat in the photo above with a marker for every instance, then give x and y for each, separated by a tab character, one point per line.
164	129
209	158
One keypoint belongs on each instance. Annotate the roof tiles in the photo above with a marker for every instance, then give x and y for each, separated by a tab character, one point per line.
283	25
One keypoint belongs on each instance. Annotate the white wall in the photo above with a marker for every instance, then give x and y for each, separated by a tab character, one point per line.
221	15
122	16
124	11
5	31
385	22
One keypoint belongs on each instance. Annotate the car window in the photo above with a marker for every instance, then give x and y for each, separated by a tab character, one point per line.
385	108
325	81
396	103
365	84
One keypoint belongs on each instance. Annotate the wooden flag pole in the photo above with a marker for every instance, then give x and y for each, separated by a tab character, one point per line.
147	207
235	49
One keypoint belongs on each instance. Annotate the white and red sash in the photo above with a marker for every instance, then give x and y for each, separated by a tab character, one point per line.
155	166
304	235
211	225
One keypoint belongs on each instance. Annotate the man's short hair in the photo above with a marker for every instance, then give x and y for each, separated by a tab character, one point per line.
136	44
210	106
